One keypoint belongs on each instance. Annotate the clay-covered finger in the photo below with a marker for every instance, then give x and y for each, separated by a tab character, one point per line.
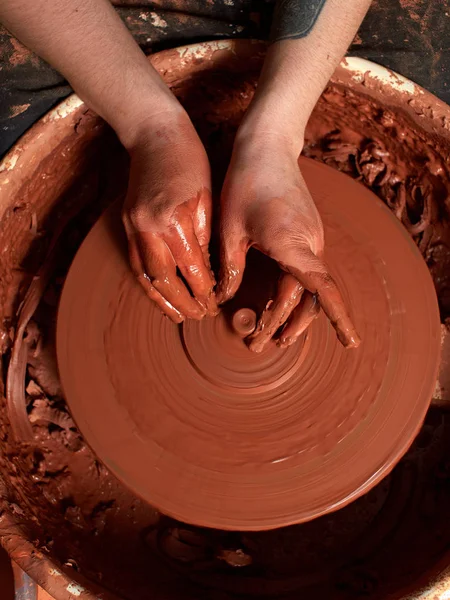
160	269
300	319
152	293
276	313
190	260
232	265
202	218
313	274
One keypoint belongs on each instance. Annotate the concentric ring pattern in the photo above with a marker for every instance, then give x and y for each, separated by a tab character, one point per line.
213	434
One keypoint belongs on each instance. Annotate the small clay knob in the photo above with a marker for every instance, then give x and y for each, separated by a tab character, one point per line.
244	322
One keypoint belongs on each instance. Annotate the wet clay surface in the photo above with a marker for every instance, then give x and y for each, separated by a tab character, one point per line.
76	512
216	435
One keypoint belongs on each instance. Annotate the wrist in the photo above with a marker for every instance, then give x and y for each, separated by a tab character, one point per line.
259	133
150	119
270	120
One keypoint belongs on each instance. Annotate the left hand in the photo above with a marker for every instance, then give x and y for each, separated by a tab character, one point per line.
167	217
265	203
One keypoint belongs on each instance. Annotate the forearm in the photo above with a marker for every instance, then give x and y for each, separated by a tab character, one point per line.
307	47
87	42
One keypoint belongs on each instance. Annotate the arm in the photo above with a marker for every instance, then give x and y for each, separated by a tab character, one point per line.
88	43
308	45
265	201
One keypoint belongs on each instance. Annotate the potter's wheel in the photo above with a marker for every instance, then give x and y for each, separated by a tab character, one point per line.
208	432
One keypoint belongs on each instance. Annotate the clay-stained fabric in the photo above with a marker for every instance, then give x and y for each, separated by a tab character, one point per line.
410	36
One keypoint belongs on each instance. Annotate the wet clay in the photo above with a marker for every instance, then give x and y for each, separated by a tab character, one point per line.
244	322
77	513
215	435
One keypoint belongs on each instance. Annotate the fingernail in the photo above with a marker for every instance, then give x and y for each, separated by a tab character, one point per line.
287	341
209	304
177	319
354	341
256	349
212	307
198	313
256	346
349	339
227	279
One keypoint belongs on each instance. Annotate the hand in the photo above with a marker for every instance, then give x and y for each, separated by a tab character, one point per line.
265	203
167	218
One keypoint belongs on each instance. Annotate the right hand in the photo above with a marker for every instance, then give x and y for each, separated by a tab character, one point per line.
167	217
266	205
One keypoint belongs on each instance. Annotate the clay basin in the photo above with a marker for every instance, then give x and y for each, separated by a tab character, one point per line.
65	519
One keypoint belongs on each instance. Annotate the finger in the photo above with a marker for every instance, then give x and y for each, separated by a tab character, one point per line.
152	293
202	219
300	320
159	266
232	265
277	312
313	274
190	260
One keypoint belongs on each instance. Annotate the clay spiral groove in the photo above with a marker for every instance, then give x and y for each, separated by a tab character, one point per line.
213	434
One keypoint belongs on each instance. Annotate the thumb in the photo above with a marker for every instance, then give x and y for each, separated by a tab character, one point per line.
233	250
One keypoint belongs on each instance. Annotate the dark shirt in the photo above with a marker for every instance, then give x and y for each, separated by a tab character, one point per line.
412	38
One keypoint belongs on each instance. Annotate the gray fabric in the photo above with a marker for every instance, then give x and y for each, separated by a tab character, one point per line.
294	19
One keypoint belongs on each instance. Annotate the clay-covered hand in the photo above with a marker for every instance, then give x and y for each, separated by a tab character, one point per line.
266	204
167	218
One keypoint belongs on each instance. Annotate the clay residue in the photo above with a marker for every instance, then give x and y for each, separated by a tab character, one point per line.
401	165
18	109
412	7
197	400
21	54
78	514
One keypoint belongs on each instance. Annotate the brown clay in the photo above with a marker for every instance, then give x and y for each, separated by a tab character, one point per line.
213	434
244	322
64	510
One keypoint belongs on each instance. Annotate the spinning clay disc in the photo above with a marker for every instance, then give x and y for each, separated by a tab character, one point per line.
213	434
